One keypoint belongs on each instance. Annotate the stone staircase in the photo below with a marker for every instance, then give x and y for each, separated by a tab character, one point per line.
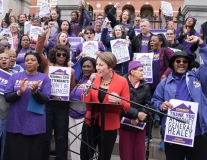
155	152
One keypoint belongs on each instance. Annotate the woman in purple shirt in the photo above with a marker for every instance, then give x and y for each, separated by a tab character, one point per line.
27	92
88	66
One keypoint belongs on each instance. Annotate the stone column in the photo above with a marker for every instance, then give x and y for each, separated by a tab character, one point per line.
67	6
197	9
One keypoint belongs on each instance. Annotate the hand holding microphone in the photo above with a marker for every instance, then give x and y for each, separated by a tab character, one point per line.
89	84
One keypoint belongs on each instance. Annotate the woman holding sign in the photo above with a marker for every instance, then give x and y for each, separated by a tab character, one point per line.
27	92
117	33
57	110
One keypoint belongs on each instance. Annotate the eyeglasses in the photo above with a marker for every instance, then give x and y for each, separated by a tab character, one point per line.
89	33
179	61
169	34
100	18
61	54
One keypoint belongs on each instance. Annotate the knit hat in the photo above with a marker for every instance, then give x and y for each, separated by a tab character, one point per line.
99	21
134	64
181	54
194	20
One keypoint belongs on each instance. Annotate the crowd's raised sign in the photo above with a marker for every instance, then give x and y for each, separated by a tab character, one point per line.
146	60
1	7
97	37
4	77
7	33
120	50
154	31
44	9
104	23
166	8
60	79
27	26
177	132
90	48
35	31
74	41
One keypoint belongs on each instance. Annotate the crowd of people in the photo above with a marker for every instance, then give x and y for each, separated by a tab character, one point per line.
27	134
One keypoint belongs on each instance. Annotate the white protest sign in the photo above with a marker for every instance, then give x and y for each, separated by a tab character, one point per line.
27	26
146	60
4	77
7	33
120	50
166	8
177	132
104	23
44	9
60	79
35	31
1	7
90	48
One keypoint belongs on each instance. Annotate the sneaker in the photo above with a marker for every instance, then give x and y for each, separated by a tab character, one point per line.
162	145
156	123
146	140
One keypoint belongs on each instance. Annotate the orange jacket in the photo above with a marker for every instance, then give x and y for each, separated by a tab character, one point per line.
118	85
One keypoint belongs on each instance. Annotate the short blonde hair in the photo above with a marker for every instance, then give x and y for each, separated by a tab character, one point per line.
109	58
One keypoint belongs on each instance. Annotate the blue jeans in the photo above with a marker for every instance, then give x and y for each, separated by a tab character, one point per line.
57	119
2	136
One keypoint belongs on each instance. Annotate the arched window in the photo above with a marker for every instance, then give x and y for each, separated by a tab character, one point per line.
146	11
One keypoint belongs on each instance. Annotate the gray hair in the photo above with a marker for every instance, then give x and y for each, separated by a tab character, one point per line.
124	34
15	24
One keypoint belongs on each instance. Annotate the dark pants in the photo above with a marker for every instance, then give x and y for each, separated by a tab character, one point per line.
109	141
132	144
24	147
197	152
57	119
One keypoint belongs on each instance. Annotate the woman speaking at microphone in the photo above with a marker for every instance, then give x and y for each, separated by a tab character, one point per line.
107	80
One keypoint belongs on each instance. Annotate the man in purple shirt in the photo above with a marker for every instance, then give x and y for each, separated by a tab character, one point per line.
140	42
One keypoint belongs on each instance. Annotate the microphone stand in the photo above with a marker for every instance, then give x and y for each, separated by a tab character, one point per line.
149	117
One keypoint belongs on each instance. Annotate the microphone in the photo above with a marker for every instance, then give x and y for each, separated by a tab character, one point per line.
93	77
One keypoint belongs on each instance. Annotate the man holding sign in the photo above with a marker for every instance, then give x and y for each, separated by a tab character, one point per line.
184	85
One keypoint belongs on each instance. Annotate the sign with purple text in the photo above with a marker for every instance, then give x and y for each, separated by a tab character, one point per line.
35	31
97	37
27	26
90	48
7	33
60	78
154	31
178	132
1	7
4	77
44	9
127	121
146	60
74	41
167	9
120	50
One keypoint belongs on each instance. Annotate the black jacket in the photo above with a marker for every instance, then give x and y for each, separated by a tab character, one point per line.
176	45
204	27
137	43
141	95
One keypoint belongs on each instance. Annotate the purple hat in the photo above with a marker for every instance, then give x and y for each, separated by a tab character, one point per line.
134	64
99	21
194	19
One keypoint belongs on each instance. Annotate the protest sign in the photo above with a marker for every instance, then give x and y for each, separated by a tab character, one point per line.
146	60
27	26
74	42
127	121
7	33
104	23
120	50
4	77
90	48
1	7
60	79
177	132
166	8
97	37
44	9
35	31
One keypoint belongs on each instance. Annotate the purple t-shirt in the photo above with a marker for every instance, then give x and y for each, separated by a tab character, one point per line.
20	120
20	57
145	41
75	95
155	68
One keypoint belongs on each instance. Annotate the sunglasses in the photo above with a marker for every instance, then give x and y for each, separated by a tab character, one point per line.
32	51
89	33
61	54
179	61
